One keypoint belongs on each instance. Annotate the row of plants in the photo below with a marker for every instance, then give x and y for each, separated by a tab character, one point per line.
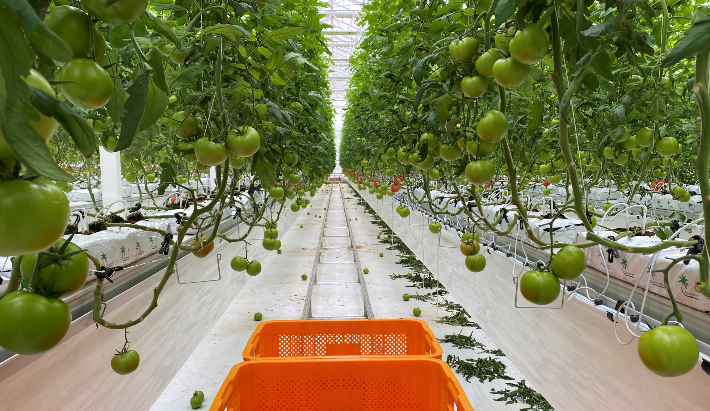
474	98
178	88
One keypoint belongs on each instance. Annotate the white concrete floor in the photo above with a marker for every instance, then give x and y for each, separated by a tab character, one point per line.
222	348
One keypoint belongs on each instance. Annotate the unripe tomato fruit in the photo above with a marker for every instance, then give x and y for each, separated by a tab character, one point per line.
473	87
45	126
462	51
568	263
59	276
539	287
475	262
484	64
184	126
667	146
206	250
245	144
480	148
510	73
125	363
33	216
120	12
492	127
502	40
644	137
530	44
32	324
91	86
449	152
668	350
210	153
72	25
479	171
254	268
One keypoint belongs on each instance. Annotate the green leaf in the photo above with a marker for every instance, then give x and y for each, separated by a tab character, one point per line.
418	70
186	75
167	176
602	66
159	25
119	36
43	39
156	104
118	98
134	109
285	32
73	123
535	111
165	7
29	147
226	31
696	38
264	170
603	28
276	79
504	10
158	75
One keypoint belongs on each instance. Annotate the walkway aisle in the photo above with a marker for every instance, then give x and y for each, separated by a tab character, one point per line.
76	374
338	289
386	300
278	293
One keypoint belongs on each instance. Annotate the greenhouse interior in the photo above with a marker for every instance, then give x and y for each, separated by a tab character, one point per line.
344	205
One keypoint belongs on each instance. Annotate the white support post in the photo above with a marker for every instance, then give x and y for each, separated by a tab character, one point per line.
213	178
111	190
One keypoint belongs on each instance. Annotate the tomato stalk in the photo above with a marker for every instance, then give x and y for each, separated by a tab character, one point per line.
15	277
700	89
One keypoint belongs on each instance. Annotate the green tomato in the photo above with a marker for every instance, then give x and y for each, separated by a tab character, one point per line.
294	178
111	144
210	153
621	159
403	211
417	311
72	25
545	169
239	263
276	192
33	216
197	398
59	276
90	86
120	12
32	324
237	162
254	268
131	177
258	316
484	64
434	174
481	148
244	145
629	143
502	40
568	263
295	207
206	248
427	163
405	297
530	44
539	287
510	73
474	87
435	227
125	363
184	126
150	177
644	137
479	171
492	127
667	146
45	126
668	350
290	159
449	152
608	152
462	51
475	262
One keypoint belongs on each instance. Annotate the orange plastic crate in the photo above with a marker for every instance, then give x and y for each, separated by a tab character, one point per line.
353	384
339	338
